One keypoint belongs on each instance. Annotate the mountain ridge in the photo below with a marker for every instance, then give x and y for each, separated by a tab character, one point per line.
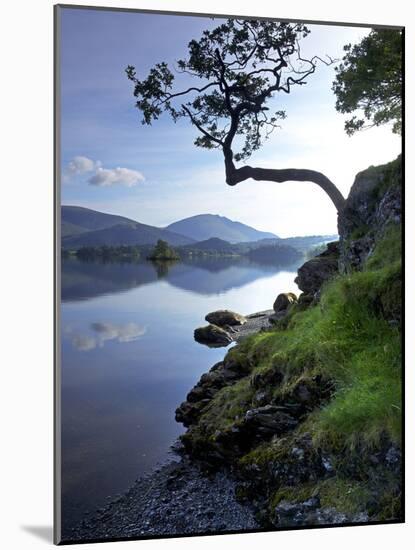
81	226
202	227
93	228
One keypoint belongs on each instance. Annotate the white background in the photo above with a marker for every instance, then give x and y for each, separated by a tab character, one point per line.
26	299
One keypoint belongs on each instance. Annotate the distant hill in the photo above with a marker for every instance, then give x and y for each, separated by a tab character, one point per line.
91	220
86	227
68	229
82	227
274	254
218	245
303	244
207	226
117	235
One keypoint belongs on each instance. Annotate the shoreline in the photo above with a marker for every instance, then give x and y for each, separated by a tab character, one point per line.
174	498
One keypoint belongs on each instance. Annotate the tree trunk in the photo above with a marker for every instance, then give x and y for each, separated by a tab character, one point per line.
236	175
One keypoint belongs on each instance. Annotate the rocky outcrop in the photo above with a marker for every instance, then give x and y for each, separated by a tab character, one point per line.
256	411
318	270
224	373
374	202
225	318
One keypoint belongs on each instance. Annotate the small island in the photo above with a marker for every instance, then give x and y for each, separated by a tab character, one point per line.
163	252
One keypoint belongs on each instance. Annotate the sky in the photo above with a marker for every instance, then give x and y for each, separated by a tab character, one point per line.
154	174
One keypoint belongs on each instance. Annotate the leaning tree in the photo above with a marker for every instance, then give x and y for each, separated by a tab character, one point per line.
237	68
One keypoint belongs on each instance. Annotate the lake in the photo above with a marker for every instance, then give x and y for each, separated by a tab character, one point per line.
129	359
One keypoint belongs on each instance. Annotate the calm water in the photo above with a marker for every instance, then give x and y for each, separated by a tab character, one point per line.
129	359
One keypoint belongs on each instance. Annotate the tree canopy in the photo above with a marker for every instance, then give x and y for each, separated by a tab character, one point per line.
162	251
238	67
370	79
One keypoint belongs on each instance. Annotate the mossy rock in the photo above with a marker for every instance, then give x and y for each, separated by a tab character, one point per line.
225	317
213	336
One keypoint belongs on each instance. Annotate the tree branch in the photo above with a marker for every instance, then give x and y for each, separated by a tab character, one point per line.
200	128
236	175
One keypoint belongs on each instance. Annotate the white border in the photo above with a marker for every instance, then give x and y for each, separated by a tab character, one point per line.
27	281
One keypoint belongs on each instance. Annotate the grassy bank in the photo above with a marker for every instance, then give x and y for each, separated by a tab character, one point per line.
340	362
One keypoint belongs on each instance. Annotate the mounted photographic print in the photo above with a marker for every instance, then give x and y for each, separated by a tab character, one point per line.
228	274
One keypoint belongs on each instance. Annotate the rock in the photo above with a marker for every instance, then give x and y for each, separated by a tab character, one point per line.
393	456
176	499
212	335
224	373
235	367
289	514
261	398
309	512
305	300
236	327
318	270
277	317
224	317
269	378
188	413
374	202
304	465
269	420
284	300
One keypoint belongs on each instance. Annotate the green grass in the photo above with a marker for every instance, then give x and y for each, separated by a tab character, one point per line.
351	338
230	403
389	175
346	339
388	251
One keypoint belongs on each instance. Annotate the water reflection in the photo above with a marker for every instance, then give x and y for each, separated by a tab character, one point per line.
129	359
208	276
104	332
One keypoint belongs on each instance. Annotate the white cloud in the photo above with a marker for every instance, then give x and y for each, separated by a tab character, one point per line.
101	177
104	177
81	165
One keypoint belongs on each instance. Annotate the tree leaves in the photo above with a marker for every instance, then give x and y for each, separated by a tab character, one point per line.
370	79
239	65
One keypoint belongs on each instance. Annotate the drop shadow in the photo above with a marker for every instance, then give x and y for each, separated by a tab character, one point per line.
44	532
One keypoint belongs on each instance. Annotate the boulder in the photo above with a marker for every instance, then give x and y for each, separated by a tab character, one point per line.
212	335
318	270
224	317
284	300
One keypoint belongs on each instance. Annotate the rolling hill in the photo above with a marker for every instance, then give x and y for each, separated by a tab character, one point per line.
218	245
82	227
86	219
85	227
206	226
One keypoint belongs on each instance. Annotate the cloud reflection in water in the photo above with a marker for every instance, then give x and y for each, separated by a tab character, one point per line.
104	332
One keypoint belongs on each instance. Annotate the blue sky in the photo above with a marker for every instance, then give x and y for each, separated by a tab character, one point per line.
154	174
